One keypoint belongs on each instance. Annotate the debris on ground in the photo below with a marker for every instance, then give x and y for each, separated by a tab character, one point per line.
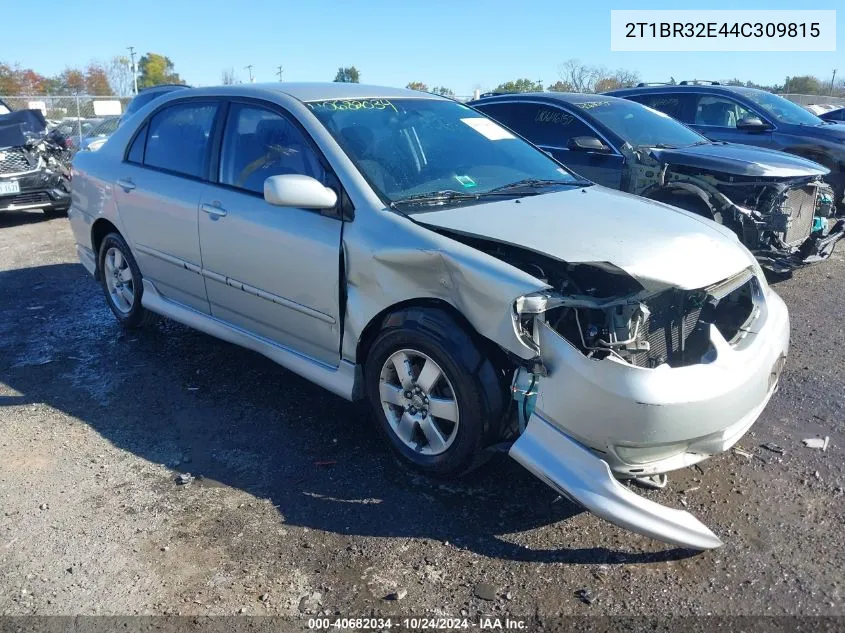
586	596
311	603
44	506
742	452
397	595
485	591
184	479
655	482
601	572
817	442
264	597
771	446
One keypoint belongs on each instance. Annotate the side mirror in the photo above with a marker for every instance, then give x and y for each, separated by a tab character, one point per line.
587	143
752	124
295	190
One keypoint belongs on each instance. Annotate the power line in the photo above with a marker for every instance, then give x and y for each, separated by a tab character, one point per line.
249	68
279	71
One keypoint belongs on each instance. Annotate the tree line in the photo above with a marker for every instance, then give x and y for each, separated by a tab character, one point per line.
99	78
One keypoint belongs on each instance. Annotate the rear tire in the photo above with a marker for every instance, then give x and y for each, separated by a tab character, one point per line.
436	396
122	284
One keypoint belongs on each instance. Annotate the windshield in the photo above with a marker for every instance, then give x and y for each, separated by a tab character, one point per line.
640	125
414	147
780	109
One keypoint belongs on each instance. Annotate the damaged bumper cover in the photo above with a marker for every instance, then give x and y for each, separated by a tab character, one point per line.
597	420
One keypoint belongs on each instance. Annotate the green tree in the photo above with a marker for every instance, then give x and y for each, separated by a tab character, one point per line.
348	75
520	85
443	91
417	85
155	69
560	86
803	85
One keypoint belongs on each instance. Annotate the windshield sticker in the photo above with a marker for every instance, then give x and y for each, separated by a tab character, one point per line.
465	181
589	105
353	105
554	116
488	129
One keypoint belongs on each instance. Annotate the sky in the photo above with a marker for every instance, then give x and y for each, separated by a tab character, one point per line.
460	45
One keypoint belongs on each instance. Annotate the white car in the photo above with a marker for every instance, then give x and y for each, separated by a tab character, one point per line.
401	247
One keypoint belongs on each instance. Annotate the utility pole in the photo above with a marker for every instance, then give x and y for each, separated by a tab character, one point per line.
131	50
831	81
279	71
249	68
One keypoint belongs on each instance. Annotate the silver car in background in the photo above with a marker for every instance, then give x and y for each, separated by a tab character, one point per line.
400	247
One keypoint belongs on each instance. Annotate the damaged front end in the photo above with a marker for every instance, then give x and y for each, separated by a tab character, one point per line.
631	381
786	221
34	164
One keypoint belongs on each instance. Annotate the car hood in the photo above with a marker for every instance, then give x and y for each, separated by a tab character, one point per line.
655	243
741	160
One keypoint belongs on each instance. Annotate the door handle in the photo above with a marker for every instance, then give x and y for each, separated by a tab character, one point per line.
214	210
126	184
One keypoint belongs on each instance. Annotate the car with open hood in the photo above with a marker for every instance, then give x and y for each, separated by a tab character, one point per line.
776	203
736	114
402	248
33	164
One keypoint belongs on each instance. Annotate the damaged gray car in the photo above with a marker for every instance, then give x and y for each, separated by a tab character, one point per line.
776	203
399	247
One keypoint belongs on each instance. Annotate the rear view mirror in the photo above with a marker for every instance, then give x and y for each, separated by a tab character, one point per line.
587	143
752	124
295	190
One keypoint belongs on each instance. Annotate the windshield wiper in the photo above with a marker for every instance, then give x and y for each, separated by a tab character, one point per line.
433	197
536	183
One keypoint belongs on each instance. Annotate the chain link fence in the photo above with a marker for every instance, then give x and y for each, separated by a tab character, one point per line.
75	115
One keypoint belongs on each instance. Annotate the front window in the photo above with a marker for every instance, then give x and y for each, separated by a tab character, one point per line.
780	109
639	125
407	148
719	112
259	143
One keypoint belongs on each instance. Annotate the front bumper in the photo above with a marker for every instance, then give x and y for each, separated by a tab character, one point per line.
42	189
599	419
817	248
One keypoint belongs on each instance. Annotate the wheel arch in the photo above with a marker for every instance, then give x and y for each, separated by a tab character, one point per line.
368	335
674	191
99	230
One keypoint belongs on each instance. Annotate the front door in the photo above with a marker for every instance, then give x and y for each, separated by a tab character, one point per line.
158	195
716	117
270	270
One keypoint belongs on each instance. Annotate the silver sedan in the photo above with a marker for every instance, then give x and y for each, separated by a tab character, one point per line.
403	248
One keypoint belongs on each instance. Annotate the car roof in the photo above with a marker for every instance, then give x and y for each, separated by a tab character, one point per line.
317	91
712	88
566	97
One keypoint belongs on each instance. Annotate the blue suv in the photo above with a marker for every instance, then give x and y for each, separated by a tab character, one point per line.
750	116
776	203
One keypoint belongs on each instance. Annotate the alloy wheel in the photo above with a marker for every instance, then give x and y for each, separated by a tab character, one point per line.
419	402
119	281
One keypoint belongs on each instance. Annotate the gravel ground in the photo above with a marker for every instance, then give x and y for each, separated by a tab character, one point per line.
298	508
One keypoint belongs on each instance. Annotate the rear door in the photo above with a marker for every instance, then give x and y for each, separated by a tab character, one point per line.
158	195
551	127
272	271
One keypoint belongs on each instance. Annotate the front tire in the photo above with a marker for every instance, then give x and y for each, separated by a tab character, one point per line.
121	281
436	396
